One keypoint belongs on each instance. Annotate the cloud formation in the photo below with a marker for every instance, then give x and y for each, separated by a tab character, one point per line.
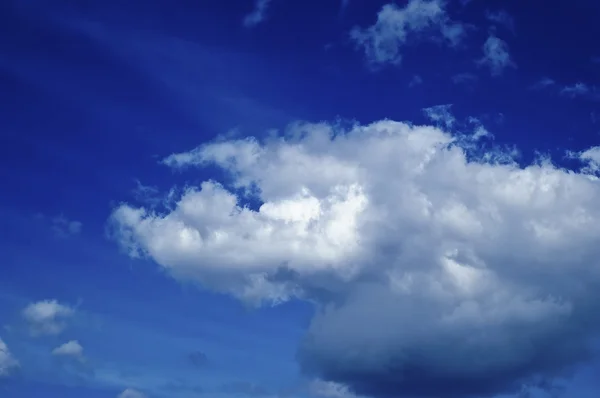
496	56
440	115
258	15
464	78
383	41
7	362
329	389
438	268
131	393
70	349
543	83
576	90
415	81
64	228
47	317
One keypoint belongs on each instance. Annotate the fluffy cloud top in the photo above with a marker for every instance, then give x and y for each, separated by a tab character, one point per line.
7	362
47	316
496	56
131	393
383	41
437	269
70	349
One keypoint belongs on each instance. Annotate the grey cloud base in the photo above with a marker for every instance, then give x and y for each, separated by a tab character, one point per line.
438	269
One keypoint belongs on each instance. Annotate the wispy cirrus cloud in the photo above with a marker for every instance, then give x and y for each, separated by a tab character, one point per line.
416	80
383	41
576	90
464	78
441	115
258	15
496	56
543	83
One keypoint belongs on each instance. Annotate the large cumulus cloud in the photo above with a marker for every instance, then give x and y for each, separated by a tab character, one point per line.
437	269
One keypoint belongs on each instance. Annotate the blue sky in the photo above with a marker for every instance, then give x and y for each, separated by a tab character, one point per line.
299	199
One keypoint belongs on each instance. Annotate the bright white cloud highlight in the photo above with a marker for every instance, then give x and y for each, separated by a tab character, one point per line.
444	263
7	362
70	349
47	316
496	56
382	42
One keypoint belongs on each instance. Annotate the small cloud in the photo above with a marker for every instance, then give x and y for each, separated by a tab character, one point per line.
131	393
591	157
382	42
258	15
440	114
464	78
576	90
415	81
479	130
63	228
7	362
47	317
496	56
70	349
543	83
501	17
198	359
329	389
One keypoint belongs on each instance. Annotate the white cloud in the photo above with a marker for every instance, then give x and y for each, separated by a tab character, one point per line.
7	362
590	157
424	258
47	316
440	115
383	41
329	389
131	393
576	90
258	15
70	349
496	56
501	17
